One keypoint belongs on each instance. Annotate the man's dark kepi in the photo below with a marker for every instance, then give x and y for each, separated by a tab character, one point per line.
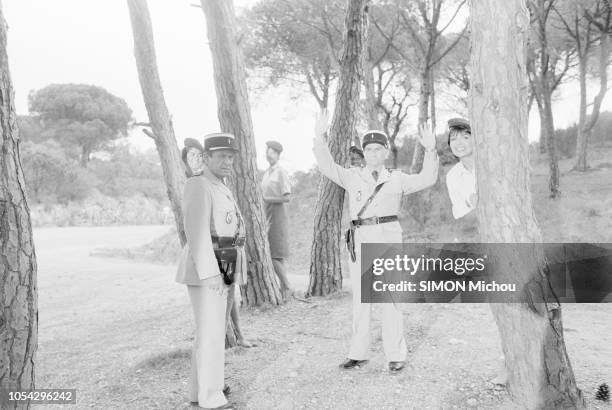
219	141
374	136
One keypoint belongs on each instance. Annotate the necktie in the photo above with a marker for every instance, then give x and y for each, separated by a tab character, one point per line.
375	175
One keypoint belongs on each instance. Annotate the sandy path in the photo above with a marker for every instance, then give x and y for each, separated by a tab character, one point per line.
120	331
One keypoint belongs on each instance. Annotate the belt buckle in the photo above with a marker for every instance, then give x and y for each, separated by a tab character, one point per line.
376	220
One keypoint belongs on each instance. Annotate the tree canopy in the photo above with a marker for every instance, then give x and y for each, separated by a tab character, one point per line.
81	116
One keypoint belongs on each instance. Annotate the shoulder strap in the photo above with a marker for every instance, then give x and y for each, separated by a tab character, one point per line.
370	199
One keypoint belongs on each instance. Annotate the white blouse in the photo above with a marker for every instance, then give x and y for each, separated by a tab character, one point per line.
461	185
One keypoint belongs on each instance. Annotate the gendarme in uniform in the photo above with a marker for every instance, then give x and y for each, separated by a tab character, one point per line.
359	184
210	214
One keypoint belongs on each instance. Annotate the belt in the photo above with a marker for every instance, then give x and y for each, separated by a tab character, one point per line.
227	241
374	220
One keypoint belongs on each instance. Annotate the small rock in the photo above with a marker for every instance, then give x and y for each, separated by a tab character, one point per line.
472	402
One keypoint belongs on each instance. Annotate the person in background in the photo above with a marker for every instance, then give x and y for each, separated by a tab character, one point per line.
191	154
276	193
356	157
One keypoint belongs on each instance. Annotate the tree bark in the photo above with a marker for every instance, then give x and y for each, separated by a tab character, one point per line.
551	145
235	117
540	374
325	266
159	117
544	87
370	103
424	95
420	202
18	293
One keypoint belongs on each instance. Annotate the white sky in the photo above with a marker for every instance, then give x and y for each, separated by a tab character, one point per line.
90	41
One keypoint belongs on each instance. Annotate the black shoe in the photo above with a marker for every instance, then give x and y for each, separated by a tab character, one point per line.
396	366
226	389
352	364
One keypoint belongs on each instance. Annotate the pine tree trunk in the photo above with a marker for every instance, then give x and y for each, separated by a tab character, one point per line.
424	95
159	117
235	117
18	290
540	374
420	202
551	146
325	267
370	102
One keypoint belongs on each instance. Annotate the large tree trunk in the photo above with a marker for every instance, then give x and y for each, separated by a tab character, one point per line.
18	293
420	202
235	117
540	374
370	92
159	117
325	267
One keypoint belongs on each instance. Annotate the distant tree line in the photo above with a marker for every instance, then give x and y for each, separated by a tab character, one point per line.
71	147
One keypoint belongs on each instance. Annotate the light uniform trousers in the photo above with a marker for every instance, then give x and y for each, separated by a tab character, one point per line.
394	343
208	355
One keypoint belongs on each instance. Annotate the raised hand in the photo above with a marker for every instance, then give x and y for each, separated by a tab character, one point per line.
426	137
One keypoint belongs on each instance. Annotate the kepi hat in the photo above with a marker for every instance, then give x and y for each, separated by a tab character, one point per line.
219	141
375	136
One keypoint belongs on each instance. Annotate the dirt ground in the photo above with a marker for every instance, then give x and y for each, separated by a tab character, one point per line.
120	330
120	333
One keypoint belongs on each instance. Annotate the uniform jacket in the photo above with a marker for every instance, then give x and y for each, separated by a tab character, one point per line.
359	185
208	207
